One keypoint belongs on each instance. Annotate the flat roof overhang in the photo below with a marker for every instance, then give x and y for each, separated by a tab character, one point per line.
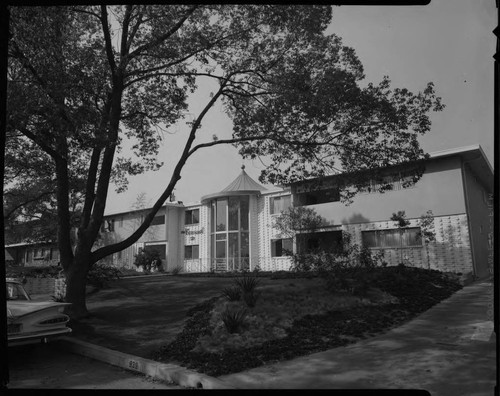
472	155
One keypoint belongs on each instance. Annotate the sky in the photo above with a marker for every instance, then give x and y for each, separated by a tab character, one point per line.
448	42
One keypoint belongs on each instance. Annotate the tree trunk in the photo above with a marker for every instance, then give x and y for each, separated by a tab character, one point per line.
76	281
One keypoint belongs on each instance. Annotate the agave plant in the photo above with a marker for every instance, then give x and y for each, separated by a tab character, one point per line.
247	284
232	293
233	320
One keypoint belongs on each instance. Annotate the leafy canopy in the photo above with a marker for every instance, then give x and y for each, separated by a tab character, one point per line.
86	81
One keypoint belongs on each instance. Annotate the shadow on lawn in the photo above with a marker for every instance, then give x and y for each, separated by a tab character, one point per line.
139	315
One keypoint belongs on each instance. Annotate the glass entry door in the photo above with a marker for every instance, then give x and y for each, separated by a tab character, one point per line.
229	233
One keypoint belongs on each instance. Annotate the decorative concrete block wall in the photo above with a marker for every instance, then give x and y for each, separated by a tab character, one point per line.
254	236
450	252
60	287
197	234
200	265
267	233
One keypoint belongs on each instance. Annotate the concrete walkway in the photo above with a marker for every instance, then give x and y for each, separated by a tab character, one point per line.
448	350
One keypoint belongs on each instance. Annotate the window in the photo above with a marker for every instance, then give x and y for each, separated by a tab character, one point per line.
191	252
54	254
39	254
392	182
192	216
281	247
319	196
42	253
325	241
229	232
279	204
157	220
160	248
393	238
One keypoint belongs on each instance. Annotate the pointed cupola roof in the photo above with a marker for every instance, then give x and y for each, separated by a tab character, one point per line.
242	185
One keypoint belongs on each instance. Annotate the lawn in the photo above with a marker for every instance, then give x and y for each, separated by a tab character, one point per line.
298	316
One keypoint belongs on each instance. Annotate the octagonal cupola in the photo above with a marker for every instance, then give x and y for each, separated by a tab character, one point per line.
231	209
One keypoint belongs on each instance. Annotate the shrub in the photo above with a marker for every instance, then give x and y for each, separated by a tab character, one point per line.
247	284
232	293
52	271
148	259
100	274
349	269
233	320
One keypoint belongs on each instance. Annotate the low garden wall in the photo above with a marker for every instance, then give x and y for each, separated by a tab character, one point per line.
51	286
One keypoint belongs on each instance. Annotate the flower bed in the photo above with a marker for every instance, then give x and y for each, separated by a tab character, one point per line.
298	317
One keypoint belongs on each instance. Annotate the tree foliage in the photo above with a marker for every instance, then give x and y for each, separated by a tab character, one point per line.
86	81
297	219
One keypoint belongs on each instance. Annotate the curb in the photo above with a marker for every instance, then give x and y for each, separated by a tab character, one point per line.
144	276
162	371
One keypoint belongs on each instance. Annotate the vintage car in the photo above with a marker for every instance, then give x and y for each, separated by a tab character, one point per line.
31	321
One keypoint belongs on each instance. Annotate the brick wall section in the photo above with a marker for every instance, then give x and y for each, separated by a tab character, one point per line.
51	286
40	285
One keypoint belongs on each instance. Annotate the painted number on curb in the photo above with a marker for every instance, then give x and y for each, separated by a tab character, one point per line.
134	365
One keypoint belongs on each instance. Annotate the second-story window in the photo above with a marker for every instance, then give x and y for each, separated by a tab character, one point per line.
279	204
157	220
315	197
193	216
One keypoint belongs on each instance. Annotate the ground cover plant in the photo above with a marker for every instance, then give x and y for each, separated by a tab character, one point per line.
296	316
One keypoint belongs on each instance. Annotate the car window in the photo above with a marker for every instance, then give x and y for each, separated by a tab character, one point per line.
15	292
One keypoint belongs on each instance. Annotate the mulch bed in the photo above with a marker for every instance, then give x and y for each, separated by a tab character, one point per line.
417	291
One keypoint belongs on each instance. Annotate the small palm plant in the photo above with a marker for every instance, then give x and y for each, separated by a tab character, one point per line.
232	293
233	320
248	285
